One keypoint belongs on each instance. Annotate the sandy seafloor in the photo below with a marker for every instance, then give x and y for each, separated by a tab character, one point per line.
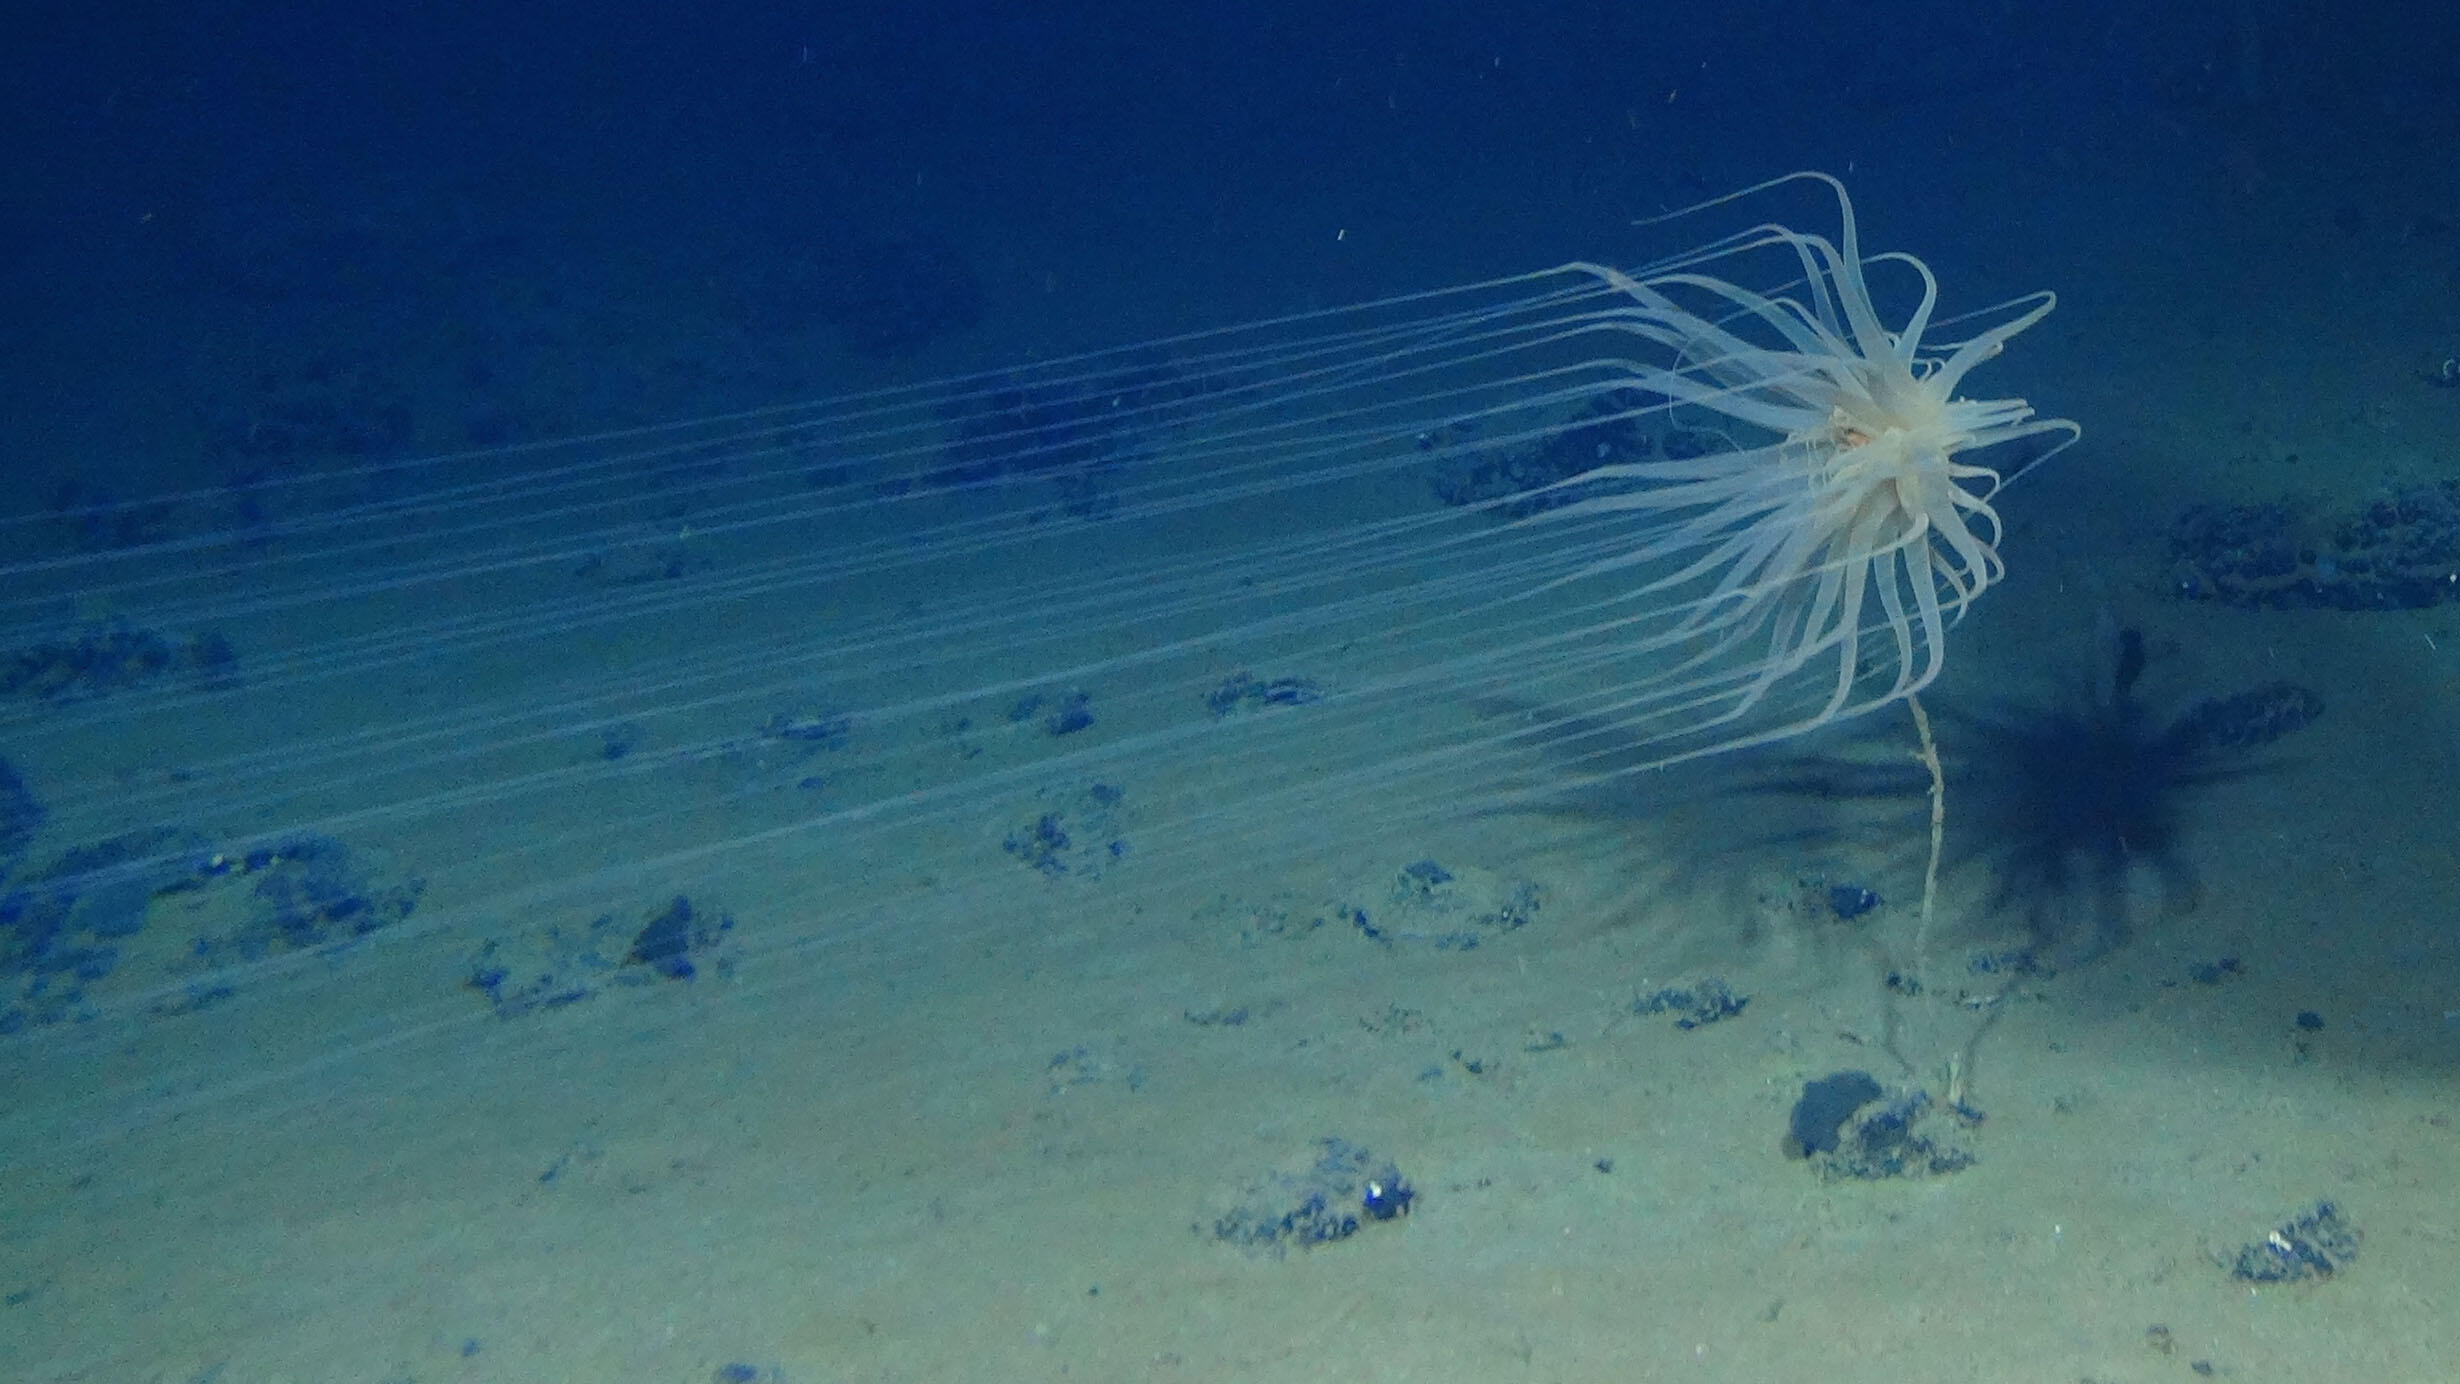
950	1119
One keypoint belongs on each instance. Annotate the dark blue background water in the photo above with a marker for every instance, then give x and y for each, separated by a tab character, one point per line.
500	220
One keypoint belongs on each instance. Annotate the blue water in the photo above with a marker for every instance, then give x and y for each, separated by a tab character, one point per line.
626	993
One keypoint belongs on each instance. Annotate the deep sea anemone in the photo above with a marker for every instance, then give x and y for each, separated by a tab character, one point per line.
1823	561
1192	611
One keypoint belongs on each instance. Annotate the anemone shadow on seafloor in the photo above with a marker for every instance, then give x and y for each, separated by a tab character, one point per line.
2072	805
